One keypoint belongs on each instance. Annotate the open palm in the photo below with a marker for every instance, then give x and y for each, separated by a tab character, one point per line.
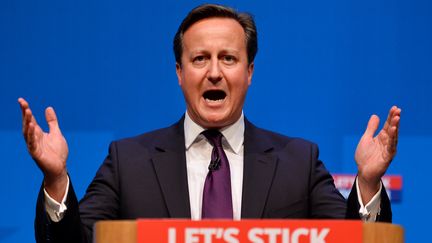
374	154
49	150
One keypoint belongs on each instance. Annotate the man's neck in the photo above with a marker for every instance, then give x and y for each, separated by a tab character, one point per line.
234	133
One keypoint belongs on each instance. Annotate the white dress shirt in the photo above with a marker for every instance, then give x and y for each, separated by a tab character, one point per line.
198	156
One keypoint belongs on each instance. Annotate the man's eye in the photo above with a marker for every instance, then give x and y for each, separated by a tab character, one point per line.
229	59
199	59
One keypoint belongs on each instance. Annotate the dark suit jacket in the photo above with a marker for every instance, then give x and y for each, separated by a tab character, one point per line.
146	177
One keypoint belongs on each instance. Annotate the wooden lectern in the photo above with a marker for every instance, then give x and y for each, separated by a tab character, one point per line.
179	231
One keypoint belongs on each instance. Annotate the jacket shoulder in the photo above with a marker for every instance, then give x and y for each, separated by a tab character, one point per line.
263	137
166	137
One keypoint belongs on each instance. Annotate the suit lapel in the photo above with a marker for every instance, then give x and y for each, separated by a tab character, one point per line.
169	161
259	169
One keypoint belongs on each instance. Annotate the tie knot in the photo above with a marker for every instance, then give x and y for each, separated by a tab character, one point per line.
214	137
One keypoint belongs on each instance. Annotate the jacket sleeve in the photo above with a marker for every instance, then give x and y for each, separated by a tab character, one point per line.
325	199
99	203
353	206
69	229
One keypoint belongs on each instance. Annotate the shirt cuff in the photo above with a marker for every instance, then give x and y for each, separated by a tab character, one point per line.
55	209
369	211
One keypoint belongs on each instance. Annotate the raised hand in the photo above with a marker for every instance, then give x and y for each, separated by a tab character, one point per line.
374	154
48	150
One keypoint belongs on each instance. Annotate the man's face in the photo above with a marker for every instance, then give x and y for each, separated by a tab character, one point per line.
214	74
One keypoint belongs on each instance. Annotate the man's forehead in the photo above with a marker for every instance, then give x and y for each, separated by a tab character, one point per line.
212	30
210	25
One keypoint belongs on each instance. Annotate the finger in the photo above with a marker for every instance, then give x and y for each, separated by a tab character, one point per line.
393	130
395	121
392	142
28	118
30	137
26	111
23	104
397	112
393	124
389	117
26	121
51	119
372	126
34	135
24	107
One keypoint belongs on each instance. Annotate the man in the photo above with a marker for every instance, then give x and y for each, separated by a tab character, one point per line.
253	173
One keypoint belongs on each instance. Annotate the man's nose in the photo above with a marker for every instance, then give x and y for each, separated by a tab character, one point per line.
214	73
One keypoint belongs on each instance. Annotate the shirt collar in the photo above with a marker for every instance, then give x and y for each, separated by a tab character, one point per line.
233	134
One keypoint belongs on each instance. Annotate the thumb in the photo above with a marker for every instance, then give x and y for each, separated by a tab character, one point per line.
51	119
372	126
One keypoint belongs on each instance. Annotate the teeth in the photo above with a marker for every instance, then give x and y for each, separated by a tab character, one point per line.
214	101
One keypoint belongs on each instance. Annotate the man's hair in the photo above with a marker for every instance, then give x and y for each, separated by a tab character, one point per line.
206	11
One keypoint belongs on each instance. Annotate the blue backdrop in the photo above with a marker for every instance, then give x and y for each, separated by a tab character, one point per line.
322	69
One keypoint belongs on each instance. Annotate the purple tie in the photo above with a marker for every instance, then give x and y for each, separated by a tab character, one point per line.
217	202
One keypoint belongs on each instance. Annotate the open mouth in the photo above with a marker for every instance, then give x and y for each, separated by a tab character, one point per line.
214	95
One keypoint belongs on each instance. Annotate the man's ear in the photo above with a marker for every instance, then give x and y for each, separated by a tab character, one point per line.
250	72
179	73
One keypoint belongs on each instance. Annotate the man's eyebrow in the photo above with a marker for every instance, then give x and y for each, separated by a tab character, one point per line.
198	51
235	51
206	52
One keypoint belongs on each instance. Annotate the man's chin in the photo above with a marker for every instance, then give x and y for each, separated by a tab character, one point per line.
213	118
217	121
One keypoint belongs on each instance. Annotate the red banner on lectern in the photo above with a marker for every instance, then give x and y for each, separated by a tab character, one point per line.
253	231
